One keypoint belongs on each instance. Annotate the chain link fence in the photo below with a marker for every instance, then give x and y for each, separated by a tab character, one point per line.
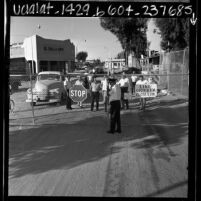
174	71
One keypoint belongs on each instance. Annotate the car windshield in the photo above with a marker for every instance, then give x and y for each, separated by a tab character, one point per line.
49	77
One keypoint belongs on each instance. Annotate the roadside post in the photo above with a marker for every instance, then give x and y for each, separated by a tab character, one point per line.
78	93
31	70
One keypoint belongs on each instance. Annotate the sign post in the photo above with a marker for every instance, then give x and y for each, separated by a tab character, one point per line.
78	93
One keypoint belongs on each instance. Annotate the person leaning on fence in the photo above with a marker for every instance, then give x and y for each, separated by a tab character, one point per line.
79	82
104	86
124	84
142	81
115	106
95	94
67	86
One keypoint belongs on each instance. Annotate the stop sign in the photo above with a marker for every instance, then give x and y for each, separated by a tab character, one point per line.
78	93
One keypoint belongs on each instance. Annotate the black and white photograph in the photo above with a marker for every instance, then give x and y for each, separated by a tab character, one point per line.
99	106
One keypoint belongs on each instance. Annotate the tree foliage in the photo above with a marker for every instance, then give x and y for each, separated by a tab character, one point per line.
174	31
82	56
131	32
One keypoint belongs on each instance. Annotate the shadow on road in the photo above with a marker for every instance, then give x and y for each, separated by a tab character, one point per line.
60	145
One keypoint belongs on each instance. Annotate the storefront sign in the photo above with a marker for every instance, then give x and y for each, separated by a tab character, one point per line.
46	48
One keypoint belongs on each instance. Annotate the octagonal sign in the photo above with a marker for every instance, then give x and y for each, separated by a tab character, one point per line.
78	93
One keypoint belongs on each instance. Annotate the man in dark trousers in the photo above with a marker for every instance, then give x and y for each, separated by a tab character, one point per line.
67	86
104	86
95	93
124	84
115	106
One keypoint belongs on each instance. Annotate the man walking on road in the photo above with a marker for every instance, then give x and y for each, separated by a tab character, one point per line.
95	93
115	106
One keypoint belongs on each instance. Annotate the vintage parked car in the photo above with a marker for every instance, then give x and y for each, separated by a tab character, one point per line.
49	87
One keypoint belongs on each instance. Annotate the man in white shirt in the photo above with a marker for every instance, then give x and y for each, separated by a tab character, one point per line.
142	81
67	86
95	88
115	107
104	86
133	79
124	84
79	81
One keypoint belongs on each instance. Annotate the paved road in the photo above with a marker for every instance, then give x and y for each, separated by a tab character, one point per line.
70	154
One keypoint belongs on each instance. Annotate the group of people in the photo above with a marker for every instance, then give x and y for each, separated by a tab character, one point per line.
114	95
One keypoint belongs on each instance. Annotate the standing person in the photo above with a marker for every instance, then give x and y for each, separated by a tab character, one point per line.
133	79
104	86
115	106
79	82
95	92
142	81
86	82
67	86
124	84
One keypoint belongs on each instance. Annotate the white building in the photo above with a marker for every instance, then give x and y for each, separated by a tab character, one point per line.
40	54
113	65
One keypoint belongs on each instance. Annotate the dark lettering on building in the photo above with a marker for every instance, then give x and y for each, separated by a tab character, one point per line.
59	49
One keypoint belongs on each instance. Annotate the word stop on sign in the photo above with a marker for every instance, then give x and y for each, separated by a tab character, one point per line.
78	93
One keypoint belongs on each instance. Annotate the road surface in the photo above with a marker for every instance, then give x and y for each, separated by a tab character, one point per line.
70	154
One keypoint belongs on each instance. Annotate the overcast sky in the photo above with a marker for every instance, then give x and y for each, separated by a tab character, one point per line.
85	33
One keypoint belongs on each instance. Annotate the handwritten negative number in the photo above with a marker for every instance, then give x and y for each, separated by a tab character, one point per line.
78	9
146	10
153	10
171	11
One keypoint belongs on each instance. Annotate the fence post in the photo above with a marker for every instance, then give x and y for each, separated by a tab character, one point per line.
168	71
182	80
33	120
